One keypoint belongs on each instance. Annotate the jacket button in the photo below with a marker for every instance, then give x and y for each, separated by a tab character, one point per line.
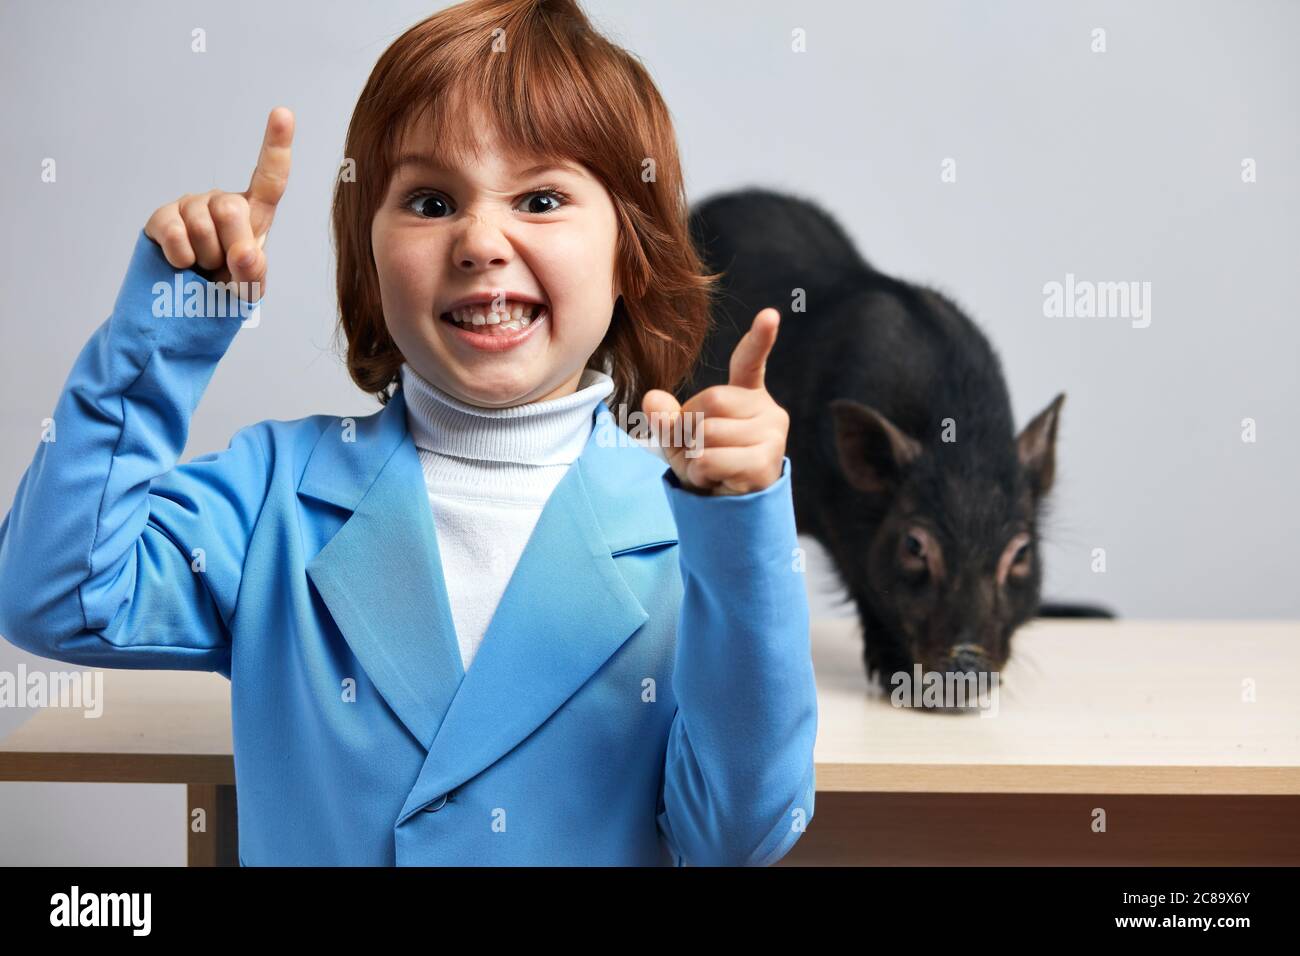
437	804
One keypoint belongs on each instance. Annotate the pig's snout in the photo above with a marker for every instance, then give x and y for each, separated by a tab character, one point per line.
964	658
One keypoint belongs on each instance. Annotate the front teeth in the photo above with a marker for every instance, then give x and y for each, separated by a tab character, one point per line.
517	315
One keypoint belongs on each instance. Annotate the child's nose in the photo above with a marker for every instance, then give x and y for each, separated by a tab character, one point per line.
482	244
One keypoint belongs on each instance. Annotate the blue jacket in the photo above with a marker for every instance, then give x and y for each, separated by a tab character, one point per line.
644	693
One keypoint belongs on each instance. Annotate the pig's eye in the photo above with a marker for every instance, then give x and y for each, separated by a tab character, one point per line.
913	552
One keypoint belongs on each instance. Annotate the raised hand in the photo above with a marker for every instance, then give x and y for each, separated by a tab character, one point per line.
741	440
221	233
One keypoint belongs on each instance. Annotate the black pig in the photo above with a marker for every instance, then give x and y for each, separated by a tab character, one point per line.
905	463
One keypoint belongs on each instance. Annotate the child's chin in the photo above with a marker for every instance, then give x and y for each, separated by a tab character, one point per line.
501	392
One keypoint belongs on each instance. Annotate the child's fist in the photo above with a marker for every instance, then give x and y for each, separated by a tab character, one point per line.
223	233
741	440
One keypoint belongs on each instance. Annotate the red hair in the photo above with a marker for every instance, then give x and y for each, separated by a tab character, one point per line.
554	88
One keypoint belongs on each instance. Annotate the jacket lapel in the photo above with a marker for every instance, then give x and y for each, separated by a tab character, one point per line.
564	612
380	575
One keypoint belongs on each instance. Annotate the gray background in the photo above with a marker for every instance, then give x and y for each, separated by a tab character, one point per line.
1115	166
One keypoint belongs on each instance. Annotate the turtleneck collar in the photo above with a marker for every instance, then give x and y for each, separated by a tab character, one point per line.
552	432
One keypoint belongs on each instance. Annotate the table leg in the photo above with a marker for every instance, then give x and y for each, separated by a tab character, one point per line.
216	843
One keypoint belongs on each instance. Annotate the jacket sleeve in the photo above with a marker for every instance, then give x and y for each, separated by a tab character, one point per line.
110	555
739	779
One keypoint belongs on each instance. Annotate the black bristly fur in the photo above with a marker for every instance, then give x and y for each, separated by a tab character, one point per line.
869	371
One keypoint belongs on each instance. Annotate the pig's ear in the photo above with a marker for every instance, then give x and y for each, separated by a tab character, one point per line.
1037	447
873	452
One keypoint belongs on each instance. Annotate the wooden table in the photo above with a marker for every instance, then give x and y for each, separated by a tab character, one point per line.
1142	721
156	727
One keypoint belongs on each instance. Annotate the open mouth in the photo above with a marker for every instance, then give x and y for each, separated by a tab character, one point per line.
515	318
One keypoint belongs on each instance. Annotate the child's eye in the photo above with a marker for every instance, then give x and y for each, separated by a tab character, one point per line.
425	202
433	205
552	192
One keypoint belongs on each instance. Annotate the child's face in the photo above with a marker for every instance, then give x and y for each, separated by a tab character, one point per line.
489	228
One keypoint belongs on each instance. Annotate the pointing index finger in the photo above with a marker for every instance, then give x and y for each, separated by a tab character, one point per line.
272	172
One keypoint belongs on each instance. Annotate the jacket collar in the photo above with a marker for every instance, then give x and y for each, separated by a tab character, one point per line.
564	612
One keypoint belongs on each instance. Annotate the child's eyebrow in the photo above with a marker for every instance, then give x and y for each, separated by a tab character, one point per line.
428	162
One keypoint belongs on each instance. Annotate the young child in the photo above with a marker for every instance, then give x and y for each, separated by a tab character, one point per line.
482	625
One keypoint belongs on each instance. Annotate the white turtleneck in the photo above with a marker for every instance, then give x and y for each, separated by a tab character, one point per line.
488	473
